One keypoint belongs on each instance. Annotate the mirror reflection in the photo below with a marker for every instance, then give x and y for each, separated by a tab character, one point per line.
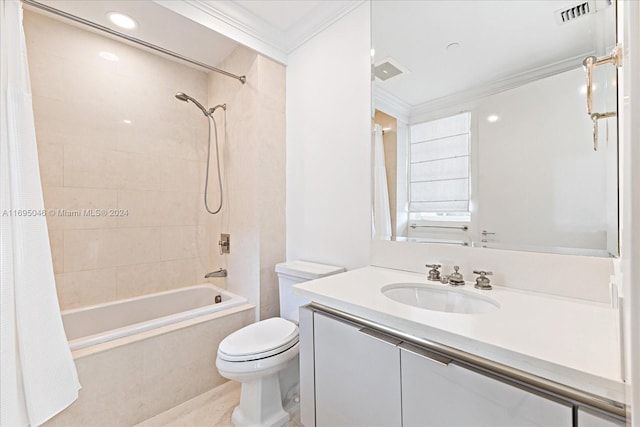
482	136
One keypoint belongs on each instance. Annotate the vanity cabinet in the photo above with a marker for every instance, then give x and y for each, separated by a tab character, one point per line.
438	392
593	419
352	375
357	381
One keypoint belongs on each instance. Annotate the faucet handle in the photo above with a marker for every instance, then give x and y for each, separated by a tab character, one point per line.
455	278
483	273
482	281
434	274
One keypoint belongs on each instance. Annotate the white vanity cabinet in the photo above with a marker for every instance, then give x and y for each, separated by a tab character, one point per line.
592	419
438	392
357	381
353	375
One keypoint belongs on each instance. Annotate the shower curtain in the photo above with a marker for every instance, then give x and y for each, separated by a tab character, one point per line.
38	378
381	213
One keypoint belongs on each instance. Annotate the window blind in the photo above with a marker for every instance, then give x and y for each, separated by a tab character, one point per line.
439	166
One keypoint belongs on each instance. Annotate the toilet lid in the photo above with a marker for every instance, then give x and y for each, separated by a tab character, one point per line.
259	339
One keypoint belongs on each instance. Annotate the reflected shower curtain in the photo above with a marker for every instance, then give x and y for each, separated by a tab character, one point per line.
38	378
381	213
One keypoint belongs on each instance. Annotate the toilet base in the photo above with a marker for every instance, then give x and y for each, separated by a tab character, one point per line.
260	404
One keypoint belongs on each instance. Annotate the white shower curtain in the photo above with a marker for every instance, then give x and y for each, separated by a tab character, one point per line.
381	213
38	378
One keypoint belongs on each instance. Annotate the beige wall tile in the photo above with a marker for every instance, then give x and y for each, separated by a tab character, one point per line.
88	167
179	242
80	207
140	279
143	208
83	288
139	171
138	245
91	249
185	175
50	157
181	273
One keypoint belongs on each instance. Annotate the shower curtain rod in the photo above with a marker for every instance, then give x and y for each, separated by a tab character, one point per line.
242	79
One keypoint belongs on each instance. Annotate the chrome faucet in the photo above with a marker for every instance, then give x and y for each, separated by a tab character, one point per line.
218	273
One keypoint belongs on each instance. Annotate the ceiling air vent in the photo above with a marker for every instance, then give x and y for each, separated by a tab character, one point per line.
580	10
388	68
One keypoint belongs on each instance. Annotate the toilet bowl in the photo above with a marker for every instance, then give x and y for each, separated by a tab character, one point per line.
263	356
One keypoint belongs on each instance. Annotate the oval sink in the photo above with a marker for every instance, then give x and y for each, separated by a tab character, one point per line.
439	298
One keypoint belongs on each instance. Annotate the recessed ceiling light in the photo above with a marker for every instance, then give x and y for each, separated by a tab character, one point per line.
493	118
108	56
122	20
373	53
126	121
453	46
386	129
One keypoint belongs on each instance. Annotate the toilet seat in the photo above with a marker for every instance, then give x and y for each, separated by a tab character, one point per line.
259	340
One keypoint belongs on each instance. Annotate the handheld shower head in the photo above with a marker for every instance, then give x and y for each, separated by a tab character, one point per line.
184	97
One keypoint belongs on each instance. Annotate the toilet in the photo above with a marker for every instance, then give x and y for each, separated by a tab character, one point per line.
263	356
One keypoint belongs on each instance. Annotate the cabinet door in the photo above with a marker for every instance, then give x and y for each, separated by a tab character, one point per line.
441	394
356	376
592	419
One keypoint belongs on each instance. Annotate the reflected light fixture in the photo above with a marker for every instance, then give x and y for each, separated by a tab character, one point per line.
108	56
122	20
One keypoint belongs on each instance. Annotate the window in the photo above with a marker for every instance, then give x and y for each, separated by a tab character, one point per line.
439	168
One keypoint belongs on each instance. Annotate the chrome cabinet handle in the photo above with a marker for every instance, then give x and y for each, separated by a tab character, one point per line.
380	336
429	355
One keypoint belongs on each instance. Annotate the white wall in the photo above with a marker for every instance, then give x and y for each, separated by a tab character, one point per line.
329	145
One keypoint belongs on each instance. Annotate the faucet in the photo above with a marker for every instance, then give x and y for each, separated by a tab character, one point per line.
221	272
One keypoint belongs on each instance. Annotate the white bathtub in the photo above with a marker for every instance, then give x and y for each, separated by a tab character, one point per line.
141	356
100	323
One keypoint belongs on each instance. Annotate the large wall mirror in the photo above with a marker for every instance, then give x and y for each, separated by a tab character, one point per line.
482	136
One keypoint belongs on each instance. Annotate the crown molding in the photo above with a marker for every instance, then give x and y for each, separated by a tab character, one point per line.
420	111
249	29
388	103
325	14
234	22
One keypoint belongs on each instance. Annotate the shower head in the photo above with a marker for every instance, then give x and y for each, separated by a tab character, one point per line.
184	97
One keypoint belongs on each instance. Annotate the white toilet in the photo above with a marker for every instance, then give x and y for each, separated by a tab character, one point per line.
264	356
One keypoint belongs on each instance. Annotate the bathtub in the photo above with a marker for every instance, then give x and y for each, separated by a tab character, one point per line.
141	356
100	323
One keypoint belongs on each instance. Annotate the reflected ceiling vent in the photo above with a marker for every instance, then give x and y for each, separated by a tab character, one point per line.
580	10
388	68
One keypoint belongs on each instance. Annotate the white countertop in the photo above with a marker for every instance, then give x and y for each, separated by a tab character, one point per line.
572	342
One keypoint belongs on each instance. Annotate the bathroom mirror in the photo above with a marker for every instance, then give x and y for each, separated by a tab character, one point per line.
482	136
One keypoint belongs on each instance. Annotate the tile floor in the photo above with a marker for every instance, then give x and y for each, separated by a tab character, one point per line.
210	409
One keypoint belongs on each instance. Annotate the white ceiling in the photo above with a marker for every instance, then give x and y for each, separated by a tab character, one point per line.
498	40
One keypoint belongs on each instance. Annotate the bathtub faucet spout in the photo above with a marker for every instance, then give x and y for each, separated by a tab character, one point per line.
218	273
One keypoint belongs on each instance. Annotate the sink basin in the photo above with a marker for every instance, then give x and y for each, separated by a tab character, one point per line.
439	298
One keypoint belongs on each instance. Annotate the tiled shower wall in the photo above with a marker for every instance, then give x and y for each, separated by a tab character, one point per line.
112	136
254	169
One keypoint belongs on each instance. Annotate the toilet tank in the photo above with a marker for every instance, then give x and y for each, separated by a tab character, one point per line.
292	272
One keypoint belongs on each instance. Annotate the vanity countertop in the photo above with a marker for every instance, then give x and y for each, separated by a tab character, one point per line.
572	342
